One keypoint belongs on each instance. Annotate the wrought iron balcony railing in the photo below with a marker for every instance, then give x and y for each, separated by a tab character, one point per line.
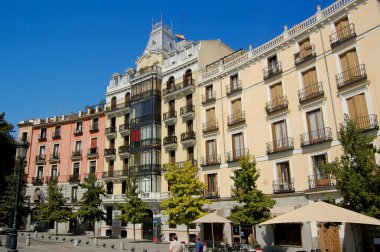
94	127
74	178
209	97
56	135
236	118
110	130
233	87
109	152
37	180
236	155
284	186
42	138
321	180
40	158
304	55
210	160
113	107
123	149
210	126
316	136
54	156
280	145
92	151
272	70
178	87
276	104
351	76
169	115
342	35
78	132
187	136
76	154
211	193
170	140
187	109
51	178
310	92
368	122
124	127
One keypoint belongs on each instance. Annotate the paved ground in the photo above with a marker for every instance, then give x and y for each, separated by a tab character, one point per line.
46	244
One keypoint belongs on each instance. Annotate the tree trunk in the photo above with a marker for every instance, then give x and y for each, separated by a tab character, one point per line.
93	224
56	228
134	233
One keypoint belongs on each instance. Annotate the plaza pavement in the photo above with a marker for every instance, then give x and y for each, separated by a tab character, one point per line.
46	244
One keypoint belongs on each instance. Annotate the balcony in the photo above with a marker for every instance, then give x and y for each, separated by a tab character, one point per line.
54	158
273	70
320	181
180	164
170	142
94	127
51	178
351	76
153	118
236	155
304	55
233	88
56	135
109	154
179	90
77	154
146	94
209	97
210	126
311	92
92	153
316	136
277	104
236	118
40	159
113	109
283	186
211	194
147	70
187	112
213	159
280	145
37	180
73	178
110	132
188	139
117	173
343	35
148	169
42	138
368	122
170	117
124	129
78	132
123	151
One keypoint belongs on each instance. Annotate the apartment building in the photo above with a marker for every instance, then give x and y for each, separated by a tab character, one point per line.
65	148
179	108
284	102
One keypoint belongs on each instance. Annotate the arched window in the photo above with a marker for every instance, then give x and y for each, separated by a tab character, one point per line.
113	103
170	84
187	78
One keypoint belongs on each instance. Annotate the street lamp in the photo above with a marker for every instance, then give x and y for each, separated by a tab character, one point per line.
21	149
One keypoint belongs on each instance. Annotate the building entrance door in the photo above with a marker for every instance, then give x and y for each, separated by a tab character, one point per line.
329	239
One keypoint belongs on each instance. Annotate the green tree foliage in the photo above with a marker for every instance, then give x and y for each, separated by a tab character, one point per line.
356	172
8	199
134	210
91	200
186	190
254	206
54	208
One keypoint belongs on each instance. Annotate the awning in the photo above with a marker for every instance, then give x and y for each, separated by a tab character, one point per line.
212	218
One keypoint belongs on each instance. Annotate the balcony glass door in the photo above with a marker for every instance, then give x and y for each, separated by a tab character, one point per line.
305	48
315	125
283	176
40	172
319	172
349	62
280	135
237	146
357	110
54	172
212	185
342	28
309	82
211	151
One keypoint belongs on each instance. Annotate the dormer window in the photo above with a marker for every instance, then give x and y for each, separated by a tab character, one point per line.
116	81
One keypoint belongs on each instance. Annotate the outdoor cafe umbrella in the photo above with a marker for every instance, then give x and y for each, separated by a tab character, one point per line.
212	218
323	212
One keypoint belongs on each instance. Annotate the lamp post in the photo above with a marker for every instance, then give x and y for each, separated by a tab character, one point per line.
21	149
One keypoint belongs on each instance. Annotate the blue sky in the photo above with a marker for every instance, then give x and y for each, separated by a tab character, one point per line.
57	56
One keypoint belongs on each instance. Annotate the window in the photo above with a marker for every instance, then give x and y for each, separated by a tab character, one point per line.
92	169
113	122
113	103
234	82
146	132
76	169
93	145
55	154
276	93
211	151
236	106
357	106
209	92
349	62
283	176
210	115
40	172
172	156
279	134
112	143
272	64
95	122
315	124
123	187
190	153
187	78
212	184
42	152
189	100
189	126
24	136
125	164
43	133
74	194
54	171
318	162
237	146
172	105
171	130
287	234
109	216
110	165
78	146
342	28
78	127
305	48
170	83
110	188
309	78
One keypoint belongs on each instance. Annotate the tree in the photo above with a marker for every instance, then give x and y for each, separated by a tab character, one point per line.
185	202
54	209
356	172
134	210
90	203
254	206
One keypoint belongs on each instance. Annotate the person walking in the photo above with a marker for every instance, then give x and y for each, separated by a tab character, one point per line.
175	245
199	245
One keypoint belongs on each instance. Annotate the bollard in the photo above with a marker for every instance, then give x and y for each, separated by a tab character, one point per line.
35	234
96	241
121	247
76	242
28	240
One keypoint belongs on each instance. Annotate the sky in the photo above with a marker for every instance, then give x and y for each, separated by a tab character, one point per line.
57	56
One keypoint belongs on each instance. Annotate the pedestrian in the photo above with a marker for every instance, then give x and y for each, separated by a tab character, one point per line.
199	245
175	245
